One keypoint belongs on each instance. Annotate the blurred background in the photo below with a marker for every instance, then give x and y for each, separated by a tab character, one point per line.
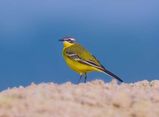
123	35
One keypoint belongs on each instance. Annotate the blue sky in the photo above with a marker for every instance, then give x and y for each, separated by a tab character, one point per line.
123	35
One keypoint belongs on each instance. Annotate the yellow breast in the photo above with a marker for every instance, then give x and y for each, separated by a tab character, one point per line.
78	67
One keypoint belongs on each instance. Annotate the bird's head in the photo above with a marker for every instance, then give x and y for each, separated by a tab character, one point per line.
68	41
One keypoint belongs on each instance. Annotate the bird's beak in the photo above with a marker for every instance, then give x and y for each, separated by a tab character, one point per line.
61	40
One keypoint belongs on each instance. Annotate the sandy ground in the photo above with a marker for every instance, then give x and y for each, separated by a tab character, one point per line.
93	99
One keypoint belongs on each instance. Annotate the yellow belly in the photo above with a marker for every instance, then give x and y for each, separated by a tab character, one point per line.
78	67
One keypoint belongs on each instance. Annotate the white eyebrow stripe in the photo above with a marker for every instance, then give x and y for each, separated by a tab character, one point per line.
72	39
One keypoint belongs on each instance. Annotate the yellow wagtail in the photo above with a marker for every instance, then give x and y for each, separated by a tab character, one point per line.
81	61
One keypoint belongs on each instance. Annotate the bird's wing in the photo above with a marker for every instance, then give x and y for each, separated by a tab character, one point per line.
80	54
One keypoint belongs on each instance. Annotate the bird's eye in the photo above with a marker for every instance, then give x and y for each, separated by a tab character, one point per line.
70	40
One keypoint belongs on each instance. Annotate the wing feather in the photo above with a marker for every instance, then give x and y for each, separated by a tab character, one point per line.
81	55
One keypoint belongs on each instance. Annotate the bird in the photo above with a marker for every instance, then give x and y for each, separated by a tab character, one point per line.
81	60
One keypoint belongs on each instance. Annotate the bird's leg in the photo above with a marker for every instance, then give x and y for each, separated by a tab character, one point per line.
85	78
80	78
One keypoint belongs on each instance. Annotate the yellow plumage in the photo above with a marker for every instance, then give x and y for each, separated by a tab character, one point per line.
82	53
81	60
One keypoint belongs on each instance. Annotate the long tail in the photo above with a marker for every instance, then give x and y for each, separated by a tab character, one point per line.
111	74
100	67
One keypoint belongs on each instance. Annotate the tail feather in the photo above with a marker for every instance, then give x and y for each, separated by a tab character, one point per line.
111	74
